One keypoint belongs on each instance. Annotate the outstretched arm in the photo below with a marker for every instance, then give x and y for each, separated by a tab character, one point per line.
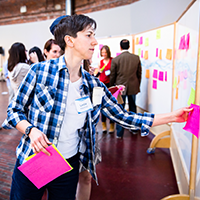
180	115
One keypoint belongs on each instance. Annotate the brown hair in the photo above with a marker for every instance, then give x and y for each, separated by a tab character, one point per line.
107	51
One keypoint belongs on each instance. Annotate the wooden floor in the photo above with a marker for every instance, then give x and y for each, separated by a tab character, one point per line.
126	172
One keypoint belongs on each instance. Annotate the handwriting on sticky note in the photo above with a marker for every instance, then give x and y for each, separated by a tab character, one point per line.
192	124
40	169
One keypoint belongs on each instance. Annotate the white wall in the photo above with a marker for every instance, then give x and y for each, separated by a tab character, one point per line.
130	19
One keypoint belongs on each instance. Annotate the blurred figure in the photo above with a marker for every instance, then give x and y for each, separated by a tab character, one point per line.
104	70
17	65
35	55
10	90
126	70
51	50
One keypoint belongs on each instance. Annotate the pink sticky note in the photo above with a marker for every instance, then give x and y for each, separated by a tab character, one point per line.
187	42
182	42
118	54
154	86
192	124
117	92
165	75
156	52
100	46
161	76
155	73
181	75
141	40
185	73
41	169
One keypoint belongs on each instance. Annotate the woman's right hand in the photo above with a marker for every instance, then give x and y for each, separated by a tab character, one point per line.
39	141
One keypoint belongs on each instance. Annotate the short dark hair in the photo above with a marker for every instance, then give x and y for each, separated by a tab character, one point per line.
70	25
107	50
48	45
124	44
17	54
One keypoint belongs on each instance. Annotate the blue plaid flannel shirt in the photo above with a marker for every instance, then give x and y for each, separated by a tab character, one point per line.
41	99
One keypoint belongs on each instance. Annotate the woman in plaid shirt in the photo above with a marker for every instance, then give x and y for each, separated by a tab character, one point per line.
54	104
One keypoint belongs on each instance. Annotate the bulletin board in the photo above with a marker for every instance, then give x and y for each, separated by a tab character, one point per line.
184	84
114	45
155	49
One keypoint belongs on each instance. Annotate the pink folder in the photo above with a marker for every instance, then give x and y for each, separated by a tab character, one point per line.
42	169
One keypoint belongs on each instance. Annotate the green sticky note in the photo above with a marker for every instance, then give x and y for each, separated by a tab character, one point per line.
1	69
192	97
158	34
139	52
175	83
146	42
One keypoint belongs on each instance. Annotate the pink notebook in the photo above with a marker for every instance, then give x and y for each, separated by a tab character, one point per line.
42	169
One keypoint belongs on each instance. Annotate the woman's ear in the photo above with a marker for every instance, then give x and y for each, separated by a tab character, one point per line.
68	41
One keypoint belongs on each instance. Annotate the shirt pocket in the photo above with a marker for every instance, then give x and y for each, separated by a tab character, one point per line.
45	97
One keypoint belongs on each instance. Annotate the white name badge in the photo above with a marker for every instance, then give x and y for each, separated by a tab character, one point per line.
83	104
107	73
97	95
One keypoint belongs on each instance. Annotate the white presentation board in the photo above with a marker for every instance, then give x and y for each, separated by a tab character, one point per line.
186	54
155	49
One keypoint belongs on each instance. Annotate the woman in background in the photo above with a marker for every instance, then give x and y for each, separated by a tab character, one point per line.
104	71
17	65
35	55
51	50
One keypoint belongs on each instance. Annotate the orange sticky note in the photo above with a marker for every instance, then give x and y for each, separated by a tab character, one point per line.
137	40
160	54
146	55
147	74
176	93
169	54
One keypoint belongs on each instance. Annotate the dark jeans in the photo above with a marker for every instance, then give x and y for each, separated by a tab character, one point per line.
132	107
62	188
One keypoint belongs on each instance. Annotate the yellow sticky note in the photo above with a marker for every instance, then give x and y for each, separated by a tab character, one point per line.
158	34
147	74
146	42
139	52
191	97
169	54
146	55
175	83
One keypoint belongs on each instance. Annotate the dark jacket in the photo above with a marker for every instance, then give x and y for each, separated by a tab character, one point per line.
126	70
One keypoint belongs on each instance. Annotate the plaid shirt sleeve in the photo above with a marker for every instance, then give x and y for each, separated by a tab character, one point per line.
18	108
128	120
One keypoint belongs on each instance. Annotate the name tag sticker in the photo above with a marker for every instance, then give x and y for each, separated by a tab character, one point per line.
107	73
83	104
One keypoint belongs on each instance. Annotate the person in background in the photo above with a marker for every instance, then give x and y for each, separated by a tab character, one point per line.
126	70
51	49
17	65
35	55
104	76
53	100
10	90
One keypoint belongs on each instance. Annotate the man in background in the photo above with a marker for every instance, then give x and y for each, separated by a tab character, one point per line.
126	70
